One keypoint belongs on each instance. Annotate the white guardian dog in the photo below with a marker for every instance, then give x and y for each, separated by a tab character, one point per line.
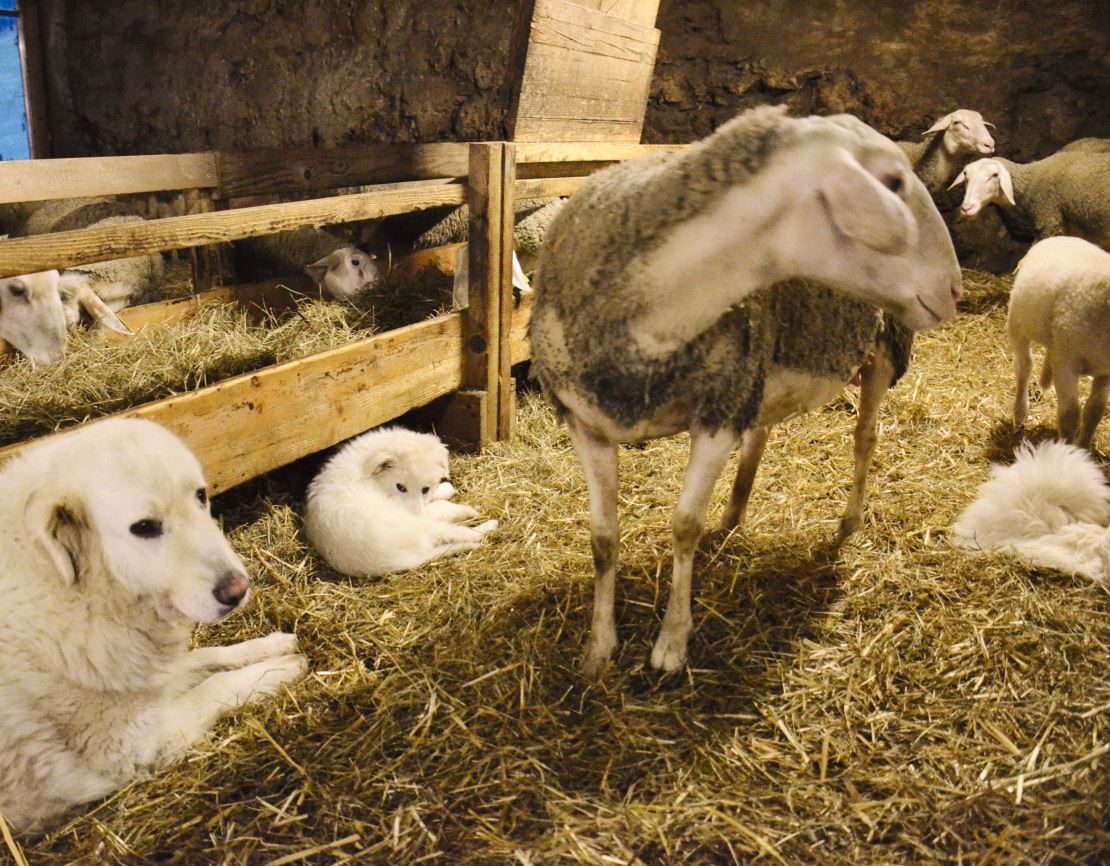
381	505
1050	508
108	558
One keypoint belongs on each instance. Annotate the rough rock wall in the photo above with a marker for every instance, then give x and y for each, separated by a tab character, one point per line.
1039	69
134	76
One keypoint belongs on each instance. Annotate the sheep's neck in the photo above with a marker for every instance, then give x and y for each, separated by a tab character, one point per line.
1017	219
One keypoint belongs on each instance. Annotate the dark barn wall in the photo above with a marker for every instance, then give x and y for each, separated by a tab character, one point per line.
1039	69
135	76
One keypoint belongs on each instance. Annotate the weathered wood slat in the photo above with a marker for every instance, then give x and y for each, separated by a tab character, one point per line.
586	151
243	427
280	171
40	179
639	11
547	187
586	77
65	249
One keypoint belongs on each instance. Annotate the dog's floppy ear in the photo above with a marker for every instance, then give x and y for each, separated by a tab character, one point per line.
381	463
61	530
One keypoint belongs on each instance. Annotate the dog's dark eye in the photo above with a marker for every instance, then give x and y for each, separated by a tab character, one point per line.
18	290
402	488
425	489
147	528
202	496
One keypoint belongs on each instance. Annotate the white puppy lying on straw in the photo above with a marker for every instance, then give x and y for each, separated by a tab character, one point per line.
108	557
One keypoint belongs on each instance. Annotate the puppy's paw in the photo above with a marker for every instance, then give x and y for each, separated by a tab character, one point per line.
445	490
488	526
278	643
282	670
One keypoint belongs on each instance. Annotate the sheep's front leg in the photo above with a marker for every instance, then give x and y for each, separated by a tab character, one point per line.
1023	369
751	452
876	377
708	454
599	464
1092	412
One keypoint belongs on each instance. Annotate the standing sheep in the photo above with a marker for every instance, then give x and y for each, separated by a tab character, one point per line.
948	144
634	332
1067	193
1087	145
1061	300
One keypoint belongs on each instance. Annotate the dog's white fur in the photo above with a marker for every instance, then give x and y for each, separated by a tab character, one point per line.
1050	508
108	557
381	505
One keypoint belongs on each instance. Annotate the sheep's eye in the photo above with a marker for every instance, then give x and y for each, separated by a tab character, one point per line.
402	488
202	496
424	490
959	123
894	183
147	528
18	290
356	262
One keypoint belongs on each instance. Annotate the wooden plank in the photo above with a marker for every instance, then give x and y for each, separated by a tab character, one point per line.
464	413
639	11
586	151
65	249
442	258
505	409
520	347
41	179
586	77
547	187
34	83
281	171
249	425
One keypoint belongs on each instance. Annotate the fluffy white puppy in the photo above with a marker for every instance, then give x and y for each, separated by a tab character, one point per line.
381	505
108	557
1049	508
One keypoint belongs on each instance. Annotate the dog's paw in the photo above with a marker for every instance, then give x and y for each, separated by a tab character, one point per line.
282	670
488	526
446	490
278	643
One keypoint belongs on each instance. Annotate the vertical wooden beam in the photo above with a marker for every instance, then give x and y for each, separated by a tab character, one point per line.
506	404
34	85
205	260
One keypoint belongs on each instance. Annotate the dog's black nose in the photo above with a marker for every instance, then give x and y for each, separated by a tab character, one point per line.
231	589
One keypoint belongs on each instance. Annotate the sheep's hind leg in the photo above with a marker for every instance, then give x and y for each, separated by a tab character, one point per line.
1023	368
1066	378
876	377
751	452
708	454
1092	412
599	464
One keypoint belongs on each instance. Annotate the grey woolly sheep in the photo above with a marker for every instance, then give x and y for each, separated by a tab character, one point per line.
529	232
339	269
454	227
635	330
948	144
1061	300
63	215
1087	145
1067	193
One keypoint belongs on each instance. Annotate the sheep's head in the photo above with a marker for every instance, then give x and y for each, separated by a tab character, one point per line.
965	133
344	273
32	318
988	181
854	215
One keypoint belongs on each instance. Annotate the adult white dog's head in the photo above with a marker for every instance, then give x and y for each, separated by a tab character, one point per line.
120	506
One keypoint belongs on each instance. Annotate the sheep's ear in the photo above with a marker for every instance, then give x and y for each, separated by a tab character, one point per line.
960	178
319	268
1007	184
863	209
940	125
61	530
100	312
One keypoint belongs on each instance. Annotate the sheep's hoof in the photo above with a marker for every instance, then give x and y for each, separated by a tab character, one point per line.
669	653
848	525
598	653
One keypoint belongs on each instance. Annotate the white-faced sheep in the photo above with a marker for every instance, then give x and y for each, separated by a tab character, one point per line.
32	317
948	144
1061	300
381	505
1067	193
631	332
1050	508
339	269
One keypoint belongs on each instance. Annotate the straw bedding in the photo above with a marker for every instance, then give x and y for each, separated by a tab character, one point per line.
894	701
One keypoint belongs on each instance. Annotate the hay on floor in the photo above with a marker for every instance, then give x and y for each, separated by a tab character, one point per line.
893	701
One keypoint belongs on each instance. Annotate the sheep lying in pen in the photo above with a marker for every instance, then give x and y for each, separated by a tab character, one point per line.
632	334
948	144
1061	300
340	269
1067	193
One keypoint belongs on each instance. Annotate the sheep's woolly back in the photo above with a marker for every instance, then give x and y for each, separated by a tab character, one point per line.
64	215
143	275
284	253
454	227
529	233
